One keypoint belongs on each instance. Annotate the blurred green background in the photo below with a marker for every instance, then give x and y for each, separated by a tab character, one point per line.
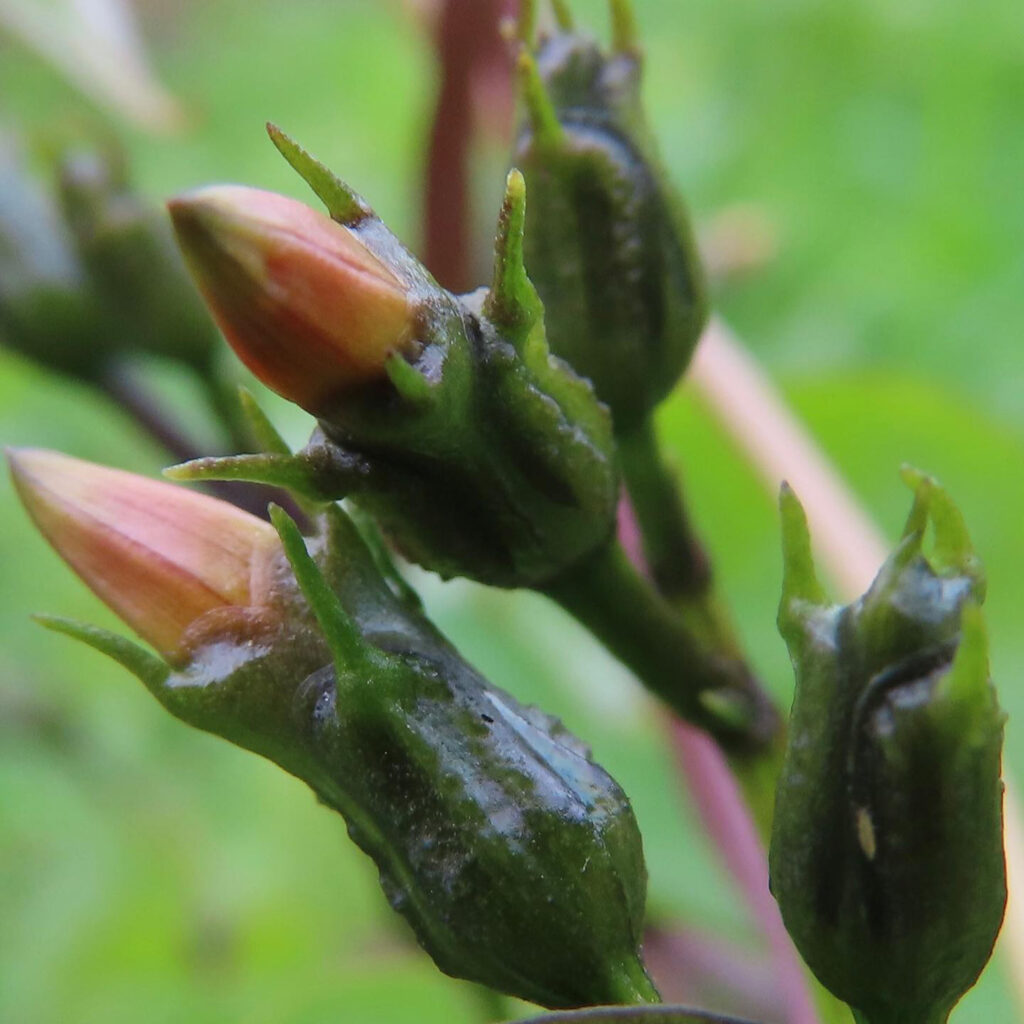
148	872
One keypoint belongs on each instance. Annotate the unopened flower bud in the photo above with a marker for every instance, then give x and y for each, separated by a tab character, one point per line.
887	853
608	241
161	557
445	417
515	858
305	304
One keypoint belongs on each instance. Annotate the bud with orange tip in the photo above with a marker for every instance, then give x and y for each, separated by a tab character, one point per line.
444	416
271	268
515	858
161	557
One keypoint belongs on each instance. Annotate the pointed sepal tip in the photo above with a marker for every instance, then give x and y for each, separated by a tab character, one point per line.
150	669
340	631
547	129
343	204
800	584
512	303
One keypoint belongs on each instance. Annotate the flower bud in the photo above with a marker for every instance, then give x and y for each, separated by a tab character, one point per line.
445	417
887	855
134	268
162	558
307	307
514	857
48	312
608	242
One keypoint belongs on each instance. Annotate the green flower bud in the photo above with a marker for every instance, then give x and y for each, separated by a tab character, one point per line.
127	250
887	853
446	418
514	857
608	241
96	278
48	312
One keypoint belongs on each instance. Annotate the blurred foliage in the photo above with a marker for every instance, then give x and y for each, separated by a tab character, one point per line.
148	872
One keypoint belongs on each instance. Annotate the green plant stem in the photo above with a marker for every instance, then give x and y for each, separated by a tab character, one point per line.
683	575
490	1005
709	687
674	555
898	1016
222	398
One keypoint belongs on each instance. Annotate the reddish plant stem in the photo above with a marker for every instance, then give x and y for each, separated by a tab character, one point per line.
729	826
474	63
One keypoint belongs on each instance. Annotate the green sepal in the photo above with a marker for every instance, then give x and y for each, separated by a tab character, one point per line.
270	442
538	105
802	593
263	430
343	204
512	304
965	703
339	630
150	669
295	473
371	536
953	553
408	381
625	36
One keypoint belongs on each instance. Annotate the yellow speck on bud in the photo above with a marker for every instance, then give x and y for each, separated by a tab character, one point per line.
866	833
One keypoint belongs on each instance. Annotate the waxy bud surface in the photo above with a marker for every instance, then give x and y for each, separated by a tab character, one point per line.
887	853
307	307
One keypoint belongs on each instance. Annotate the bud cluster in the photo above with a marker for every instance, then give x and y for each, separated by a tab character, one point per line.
482	436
